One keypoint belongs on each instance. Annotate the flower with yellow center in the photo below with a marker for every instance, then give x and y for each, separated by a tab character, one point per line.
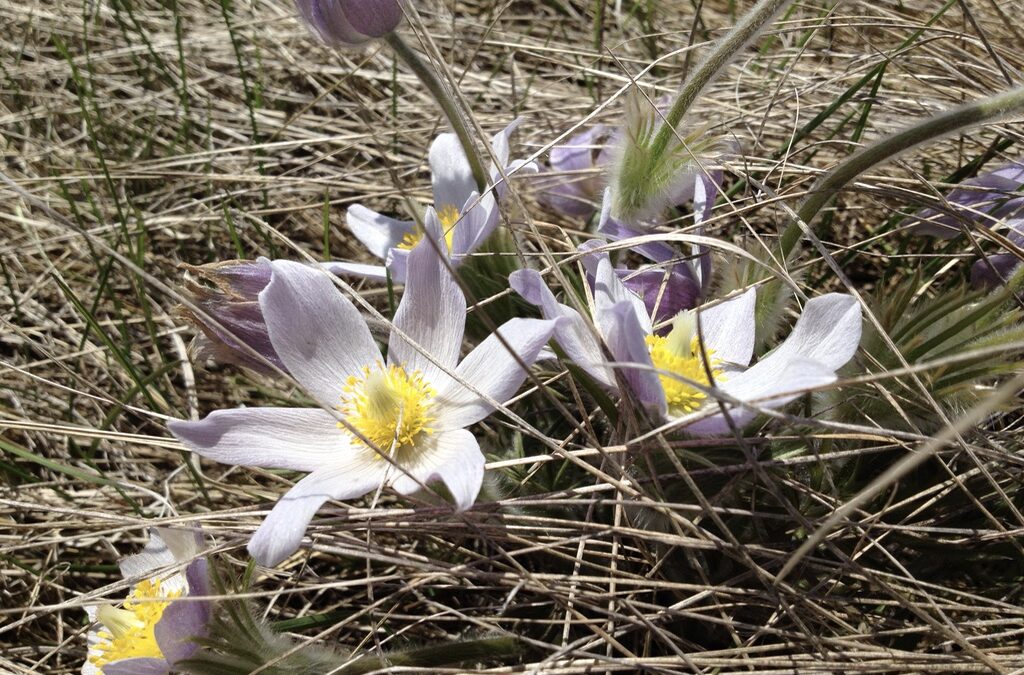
448	216
152	630
393	422
680	362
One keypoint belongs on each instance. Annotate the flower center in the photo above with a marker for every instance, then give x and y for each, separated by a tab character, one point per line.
448	215
389	407
679	360
129	631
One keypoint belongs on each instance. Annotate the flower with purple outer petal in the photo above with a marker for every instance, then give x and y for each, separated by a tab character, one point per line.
154	628
986	198
466	217
350	23
668	374
996	269
397	421
573	183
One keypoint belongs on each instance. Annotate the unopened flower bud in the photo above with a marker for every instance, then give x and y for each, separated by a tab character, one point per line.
350	23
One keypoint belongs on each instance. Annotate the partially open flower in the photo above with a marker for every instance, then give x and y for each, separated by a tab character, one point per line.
466	217
573	183
155	626
350	23
395	421
669	373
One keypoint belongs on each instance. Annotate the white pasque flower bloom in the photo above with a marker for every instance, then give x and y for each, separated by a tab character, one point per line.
467	217
668	374
152	629
405	407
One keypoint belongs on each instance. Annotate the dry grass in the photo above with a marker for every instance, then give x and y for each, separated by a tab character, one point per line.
142	135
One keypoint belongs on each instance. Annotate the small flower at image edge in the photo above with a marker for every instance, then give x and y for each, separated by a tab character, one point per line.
404	406
350	23
154	627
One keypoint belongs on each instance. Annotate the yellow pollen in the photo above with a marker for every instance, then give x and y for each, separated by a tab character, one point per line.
129	631
448	215
389	407
679	360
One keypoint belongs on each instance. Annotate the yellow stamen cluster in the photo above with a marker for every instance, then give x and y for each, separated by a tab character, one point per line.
448	215
389	407
129	631
679	359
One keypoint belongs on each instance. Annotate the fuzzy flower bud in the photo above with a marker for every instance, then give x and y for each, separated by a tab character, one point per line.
350	23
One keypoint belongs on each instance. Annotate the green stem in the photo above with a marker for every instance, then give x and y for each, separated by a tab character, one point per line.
827	186
724	50
485	649
429	78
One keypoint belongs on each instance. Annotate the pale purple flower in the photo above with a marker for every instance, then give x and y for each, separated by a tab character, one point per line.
350	23
667	374
987	198
155	626
573	183
405	408
996	269
466	217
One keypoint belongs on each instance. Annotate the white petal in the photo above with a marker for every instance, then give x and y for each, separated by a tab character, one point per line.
317	333
453	179
281	532
493	371
728	328
828	331
377	232
155	556
454	457
610	291
626	341
477	222
361	270
432	314
300	439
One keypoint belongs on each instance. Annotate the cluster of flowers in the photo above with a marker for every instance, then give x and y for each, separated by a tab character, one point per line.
400	419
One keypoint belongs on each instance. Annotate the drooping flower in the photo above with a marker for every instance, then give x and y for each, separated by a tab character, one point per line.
395	421
987	198
466	217
350	23
669	373
154	627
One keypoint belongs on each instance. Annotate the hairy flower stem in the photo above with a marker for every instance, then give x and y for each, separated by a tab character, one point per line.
428	76
940	125
749	27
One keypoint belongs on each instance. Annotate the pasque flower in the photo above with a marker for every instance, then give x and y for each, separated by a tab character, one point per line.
573	182
467	217
987	198
397	420
154	627
669	373
350	23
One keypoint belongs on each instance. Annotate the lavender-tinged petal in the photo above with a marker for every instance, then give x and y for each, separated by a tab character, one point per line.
828	331
363	271
281	532
989	194
432	312
770	383
566	194
298	439
572	333
453	457
665	293
728	328
154	556
477	222
184	543
493	370
994	270
500	147
185	619
616	231
328	20
609	291
375	18
625	338
378	233
137	666
316	331
450	171
580	151
240	324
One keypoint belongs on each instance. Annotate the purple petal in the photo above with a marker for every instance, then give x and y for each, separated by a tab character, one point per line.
452	456
610	291
500	144
493	371
665	292
452	178
299	439
575	195
989	196
728	328
576	338
477	222
328	20
616	230
137	666
375	18
432	313
358	472
316	331
185	619
994	270
378	233
625	338
828	331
